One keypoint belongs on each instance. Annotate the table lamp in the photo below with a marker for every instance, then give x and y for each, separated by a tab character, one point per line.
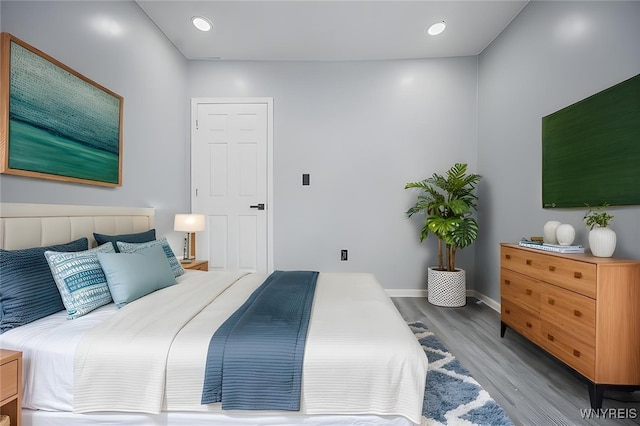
189	223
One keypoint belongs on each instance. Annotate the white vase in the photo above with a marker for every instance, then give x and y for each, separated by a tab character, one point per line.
565	234
447	288
602	241
549	232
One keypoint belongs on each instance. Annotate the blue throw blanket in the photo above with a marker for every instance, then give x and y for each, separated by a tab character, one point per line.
255	358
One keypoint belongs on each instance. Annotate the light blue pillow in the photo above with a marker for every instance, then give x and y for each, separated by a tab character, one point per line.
133	275
171	257
80	279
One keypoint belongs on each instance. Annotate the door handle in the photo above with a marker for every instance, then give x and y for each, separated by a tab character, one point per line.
258	206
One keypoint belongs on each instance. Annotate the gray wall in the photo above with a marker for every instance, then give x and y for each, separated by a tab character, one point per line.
552	55
115	45
361	130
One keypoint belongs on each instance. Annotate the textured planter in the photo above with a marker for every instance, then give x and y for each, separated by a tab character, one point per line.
602	241
446	288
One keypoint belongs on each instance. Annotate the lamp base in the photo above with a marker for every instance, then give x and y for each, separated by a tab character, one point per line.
186	261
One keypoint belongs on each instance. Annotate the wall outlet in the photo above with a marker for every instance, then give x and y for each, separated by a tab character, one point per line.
344	254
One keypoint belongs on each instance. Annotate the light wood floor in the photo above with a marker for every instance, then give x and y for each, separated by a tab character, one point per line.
530	385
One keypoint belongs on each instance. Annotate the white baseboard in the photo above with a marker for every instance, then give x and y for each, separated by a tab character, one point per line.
405	292
487	300
399	292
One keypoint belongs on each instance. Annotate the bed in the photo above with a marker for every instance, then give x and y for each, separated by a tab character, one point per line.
362	364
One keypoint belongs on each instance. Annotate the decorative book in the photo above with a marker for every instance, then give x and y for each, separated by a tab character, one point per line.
555	248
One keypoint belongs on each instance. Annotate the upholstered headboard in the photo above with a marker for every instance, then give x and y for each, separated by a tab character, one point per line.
34	225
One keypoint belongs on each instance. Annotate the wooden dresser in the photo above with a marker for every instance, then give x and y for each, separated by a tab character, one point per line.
584	310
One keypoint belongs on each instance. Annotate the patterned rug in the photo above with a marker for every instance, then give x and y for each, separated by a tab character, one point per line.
452	396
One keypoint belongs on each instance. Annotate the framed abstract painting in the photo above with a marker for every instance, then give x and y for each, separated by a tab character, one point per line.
56	123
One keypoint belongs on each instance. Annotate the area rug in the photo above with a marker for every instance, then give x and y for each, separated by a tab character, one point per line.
452	396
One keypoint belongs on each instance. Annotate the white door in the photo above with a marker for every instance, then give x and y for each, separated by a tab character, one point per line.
230	156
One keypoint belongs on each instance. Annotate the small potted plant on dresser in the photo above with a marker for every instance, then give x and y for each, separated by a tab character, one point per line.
448	202
602	239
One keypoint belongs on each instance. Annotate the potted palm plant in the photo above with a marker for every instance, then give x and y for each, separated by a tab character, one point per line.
448	202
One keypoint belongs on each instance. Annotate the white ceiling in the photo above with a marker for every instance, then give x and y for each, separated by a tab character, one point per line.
330	30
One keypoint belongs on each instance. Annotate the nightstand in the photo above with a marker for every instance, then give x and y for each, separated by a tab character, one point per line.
11	385
196	265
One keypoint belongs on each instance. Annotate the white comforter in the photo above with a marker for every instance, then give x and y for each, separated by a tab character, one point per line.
360	357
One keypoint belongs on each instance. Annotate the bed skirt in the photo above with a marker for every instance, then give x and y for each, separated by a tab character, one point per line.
59	418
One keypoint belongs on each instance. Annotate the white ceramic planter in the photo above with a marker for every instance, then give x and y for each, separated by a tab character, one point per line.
565	234
602	241
549	232
446	288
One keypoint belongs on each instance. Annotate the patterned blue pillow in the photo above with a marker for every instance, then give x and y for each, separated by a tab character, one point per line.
80	279
171	257
27	289
141	237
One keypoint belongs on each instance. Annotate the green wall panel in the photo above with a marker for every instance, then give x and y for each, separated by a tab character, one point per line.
591	150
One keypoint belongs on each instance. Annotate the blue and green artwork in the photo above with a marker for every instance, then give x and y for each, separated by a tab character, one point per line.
59	123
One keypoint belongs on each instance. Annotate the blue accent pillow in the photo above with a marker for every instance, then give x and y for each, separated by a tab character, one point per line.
80	279
141	237
27	289
171	257
133	275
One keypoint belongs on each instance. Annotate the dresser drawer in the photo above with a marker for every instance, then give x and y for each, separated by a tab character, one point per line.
572	312
567	348
520	289
8	379
565	272
520	320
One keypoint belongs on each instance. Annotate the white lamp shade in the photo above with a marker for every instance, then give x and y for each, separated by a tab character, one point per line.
189	222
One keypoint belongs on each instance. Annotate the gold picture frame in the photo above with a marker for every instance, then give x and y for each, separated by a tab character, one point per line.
56	123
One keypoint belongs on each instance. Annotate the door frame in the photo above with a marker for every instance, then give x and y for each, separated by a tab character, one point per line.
269	201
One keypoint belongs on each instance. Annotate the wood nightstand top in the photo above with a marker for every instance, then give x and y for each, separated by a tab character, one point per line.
8	354
196	265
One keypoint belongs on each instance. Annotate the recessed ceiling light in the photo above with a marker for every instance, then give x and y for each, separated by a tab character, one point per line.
201	23
436	28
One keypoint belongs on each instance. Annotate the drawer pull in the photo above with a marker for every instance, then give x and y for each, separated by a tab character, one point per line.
529	292
576	353
577	275
552	268
528	324
550	337
507	311
529	261
577	313
552	301
507	282
507	256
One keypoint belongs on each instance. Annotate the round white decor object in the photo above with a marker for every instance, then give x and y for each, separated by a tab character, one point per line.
565	234
549	232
